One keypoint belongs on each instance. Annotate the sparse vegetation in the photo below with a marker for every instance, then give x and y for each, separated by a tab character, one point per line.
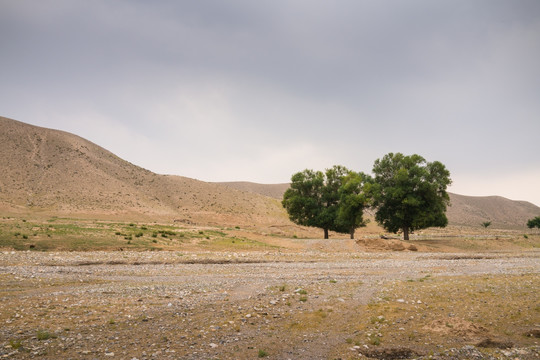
426	312
44	335
222	290
15	344
486	224
262	353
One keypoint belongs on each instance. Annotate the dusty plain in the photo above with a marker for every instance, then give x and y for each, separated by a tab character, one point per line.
89	289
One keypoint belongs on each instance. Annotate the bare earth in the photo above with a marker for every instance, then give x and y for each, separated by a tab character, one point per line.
309	305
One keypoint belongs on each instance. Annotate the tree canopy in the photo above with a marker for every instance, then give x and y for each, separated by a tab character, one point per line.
410	193
407	192
315	199
534	222
353	200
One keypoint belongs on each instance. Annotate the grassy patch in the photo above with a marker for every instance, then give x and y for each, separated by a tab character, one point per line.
65	234
45	335
262	353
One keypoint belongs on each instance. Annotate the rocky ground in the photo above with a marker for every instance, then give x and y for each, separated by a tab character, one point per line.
309	305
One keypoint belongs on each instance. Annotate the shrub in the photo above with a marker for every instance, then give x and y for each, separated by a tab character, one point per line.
15	344
44	335
262	353
375	340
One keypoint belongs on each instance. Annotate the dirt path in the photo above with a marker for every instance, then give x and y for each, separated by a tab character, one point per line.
274	305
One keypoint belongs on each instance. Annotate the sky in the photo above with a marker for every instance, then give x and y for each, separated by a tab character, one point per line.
246	90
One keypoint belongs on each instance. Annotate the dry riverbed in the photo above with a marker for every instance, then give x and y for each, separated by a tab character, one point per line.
309	305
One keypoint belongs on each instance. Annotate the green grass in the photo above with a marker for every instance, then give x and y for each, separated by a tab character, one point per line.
262	353
64	234
44	335
15	344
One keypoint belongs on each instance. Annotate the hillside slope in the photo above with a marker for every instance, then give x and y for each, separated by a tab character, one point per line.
271	190
501	212
57	172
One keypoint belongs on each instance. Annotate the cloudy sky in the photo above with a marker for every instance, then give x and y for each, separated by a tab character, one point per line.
257	90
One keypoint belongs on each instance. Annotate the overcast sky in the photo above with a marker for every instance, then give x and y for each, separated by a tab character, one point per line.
258	90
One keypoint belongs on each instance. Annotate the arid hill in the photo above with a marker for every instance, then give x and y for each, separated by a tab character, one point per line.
58	173
501	212
272	190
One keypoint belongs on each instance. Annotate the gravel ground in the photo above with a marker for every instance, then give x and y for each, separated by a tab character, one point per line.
170	305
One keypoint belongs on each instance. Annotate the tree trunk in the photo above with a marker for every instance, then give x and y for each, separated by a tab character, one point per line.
405	233
326	233
352	233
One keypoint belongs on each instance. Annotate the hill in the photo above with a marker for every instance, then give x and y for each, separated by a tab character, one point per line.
463	211
503	213
55	172
271	190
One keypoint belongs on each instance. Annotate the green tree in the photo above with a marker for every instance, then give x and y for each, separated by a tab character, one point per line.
410	193
313	198
353	200
486	224
535	222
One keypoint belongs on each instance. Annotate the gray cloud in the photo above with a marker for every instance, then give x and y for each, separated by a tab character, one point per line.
243	90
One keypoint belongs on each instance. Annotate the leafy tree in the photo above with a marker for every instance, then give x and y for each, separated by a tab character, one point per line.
485	224
313	198
410	193
353	199
535	222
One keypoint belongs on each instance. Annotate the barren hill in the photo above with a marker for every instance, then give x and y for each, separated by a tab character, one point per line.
271	190
501	212
464	210
56	172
